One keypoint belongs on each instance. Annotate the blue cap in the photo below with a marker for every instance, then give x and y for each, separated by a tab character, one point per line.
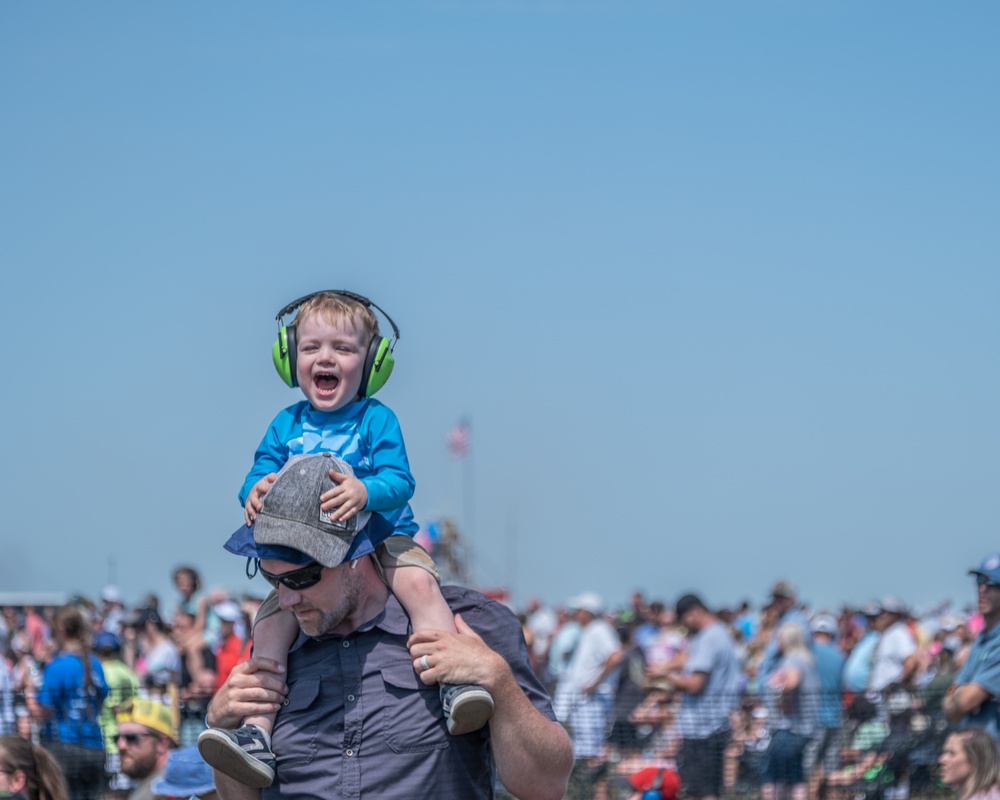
990	568
106	640
185	775
374	533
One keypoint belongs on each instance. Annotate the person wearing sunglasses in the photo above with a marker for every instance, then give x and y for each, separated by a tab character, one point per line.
146	736
358	713
972	696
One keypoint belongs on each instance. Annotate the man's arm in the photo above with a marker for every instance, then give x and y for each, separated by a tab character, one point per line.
533	754
694	683
963	699
610	665
253	687
230	789
910	664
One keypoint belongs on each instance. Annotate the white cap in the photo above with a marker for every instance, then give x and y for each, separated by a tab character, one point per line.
892	604
228	610
588	601
111	594
824	623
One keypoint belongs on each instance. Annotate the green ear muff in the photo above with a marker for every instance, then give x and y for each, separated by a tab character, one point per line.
283	355
378	362
378	366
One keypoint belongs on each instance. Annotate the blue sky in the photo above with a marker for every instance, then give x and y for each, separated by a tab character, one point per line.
716	283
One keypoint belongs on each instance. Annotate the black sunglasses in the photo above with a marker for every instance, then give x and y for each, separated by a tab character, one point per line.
297	579
132	739
982	580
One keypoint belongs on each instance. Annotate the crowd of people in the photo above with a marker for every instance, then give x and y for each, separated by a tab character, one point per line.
781	699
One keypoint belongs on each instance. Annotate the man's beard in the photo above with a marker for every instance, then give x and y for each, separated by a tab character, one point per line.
138	766
318	622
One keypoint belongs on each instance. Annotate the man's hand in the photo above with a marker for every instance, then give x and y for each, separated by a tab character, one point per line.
345	499
259	489
455	658
253	687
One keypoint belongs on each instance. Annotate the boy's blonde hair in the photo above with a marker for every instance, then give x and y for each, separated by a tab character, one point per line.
338	308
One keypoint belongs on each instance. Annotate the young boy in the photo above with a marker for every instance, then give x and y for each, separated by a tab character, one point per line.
335	337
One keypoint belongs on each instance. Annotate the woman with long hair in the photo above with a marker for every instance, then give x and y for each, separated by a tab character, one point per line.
792	694
970	764
29	772
70	699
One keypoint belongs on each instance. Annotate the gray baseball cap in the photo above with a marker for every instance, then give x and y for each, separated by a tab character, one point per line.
290	515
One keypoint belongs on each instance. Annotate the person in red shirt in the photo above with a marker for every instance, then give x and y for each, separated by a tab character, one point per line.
230	648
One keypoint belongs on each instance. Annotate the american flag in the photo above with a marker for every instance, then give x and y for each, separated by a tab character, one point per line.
459	438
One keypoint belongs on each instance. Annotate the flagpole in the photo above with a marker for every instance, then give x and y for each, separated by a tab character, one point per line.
469	498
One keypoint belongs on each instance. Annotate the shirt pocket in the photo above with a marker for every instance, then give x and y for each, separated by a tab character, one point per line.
297	723
412	715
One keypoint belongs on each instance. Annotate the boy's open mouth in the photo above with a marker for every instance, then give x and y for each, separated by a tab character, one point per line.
326	382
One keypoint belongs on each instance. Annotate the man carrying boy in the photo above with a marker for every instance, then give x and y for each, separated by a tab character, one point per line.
335	354
357	711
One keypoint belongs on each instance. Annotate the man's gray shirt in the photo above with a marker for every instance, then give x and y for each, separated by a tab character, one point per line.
359	723
713	652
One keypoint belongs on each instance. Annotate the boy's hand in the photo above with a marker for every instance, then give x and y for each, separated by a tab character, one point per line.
348	497
254	498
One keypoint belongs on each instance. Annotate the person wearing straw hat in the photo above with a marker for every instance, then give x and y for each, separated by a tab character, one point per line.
146	735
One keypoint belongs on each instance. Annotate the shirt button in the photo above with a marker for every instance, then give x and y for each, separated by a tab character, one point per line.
347	644
349	751
350	697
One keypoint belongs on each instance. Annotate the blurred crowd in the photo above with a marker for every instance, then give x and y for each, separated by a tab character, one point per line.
781	699
778	699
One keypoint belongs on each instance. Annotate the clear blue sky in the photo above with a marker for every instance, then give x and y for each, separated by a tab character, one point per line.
717	283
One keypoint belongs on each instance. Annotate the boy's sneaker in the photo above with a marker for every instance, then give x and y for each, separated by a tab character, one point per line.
244	754
466	708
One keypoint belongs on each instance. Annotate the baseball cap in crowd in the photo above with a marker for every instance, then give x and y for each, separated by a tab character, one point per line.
186	775
783	589
106	642
588	601
871	609
686	603
892	604
143	617
824	623
110	594
150	714
989	569
228	611
290	526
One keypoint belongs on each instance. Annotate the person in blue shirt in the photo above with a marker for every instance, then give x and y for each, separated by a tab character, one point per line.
972	697
334	353
70	698
823	752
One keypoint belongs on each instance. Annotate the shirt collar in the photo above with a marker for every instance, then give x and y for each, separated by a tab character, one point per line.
392	620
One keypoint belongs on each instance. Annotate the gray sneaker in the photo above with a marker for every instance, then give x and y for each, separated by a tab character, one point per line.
466	707
242	754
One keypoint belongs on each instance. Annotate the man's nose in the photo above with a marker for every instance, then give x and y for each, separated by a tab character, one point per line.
287	598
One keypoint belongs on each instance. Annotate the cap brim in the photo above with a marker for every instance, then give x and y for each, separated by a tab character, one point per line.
164	789
242	543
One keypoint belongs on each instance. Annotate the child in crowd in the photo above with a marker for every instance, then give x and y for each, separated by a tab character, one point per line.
334	353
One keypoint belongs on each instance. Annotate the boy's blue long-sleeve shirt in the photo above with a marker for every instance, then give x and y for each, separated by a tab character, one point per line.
365	434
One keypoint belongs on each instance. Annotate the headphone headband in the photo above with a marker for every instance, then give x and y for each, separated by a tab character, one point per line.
343	293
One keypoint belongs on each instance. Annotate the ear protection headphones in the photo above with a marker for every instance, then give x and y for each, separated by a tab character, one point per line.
379	360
